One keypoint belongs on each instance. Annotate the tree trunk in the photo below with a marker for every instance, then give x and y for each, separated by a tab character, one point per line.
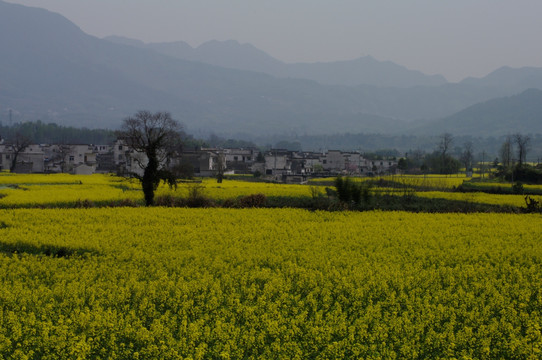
13	162
150	180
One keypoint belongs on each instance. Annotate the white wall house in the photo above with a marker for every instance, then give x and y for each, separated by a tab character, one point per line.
30	160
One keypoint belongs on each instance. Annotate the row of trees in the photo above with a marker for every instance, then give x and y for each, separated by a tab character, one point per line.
449	159
521	144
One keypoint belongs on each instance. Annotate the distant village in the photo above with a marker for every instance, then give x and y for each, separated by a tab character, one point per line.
276	164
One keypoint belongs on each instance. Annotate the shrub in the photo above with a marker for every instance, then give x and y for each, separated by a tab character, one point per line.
196	196
517	188
532	205
84	204
254	200
349	191
168	201
127	203
229	203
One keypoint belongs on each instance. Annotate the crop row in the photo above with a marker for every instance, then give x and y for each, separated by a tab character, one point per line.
67	190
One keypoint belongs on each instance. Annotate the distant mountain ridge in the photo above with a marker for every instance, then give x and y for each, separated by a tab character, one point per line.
51	70
519	113
231	54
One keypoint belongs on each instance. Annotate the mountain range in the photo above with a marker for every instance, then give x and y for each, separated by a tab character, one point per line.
518	113
233	55
53	71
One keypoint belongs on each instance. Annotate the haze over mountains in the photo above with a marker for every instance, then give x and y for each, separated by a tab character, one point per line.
51	70
231	54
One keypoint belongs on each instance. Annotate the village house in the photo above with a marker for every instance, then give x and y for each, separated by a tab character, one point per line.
281	164
204	162
342	162
381	166
278	162
69	158
29	160
240	160
333	160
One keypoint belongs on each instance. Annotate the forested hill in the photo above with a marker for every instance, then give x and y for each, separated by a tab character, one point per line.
42	133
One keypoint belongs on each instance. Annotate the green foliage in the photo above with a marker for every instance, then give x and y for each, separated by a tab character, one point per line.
517	188
528	174
403	164
349	191
438	164
42	133
196	196
525	173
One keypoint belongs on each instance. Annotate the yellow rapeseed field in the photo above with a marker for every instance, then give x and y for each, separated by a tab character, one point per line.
418	181
479	197
63	189
166	283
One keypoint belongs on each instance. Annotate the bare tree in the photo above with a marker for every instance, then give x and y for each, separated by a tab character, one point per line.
522	142
445	143
64	151
157	136
506	152
20	142
444	146
467	156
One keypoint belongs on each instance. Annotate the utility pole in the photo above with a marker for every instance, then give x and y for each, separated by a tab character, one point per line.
483	163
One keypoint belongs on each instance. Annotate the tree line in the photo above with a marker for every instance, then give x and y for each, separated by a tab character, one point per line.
446	158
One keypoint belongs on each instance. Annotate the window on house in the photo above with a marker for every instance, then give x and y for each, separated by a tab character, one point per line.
235	158
120	147
72	158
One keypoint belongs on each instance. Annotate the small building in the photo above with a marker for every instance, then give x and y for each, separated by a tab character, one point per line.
204	162
29	160
240	160
278	162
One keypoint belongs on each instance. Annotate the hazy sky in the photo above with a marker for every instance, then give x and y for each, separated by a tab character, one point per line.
457	38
